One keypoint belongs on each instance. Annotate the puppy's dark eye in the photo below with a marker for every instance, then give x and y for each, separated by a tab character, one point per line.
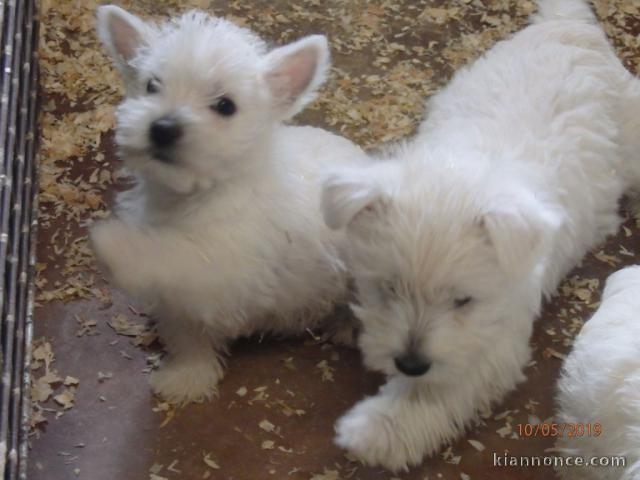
153	86
462	301
224	106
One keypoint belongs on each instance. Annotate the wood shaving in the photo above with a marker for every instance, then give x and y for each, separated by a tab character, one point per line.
66	399
327	475
123	326
327	371
608	259
550	352
479	446
71	381
206	458
267	426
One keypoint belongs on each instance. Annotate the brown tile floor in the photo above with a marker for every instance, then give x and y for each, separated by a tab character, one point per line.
389	55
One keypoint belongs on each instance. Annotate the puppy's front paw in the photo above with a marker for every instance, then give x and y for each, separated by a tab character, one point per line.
371	435
109	241
182	382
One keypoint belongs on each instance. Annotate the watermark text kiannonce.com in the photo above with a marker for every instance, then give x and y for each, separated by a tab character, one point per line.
556	461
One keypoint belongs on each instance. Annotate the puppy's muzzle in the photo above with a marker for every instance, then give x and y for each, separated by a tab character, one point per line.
412	364
165	132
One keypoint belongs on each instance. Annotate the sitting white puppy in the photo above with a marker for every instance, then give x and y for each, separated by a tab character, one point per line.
453	241
223	235
600	383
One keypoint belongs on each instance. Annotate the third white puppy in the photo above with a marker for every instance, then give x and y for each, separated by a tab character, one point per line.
453	241
600	384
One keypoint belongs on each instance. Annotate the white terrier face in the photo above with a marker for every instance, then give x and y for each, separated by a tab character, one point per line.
438	263
203	94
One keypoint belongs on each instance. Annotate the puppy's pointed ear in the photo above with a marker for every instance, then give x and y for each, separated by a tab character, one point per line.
122	34
521	228
349	195
292	73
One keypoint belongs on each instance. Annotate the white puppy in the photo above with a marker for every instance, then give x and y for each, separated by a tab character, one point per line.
453	241
600	383
223	235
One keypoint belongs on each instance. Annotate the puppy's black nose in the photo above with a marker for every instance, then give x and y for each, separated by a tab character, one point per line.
165	131
412	364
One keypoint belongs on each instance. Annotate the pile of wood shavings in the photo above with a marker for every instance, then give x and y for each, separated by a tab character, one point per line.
46	385
374	105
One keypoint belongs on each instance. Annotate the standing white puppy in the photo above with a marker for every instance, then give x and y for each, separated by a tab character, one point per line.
223	235
600	384
453	241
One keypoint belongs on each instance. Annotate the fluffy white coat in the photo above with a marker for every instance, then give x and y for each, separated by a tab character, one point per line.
223	235
456	236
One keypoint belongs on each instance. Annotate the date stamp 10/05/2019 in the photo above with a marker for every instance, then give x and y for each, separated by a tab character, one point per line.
569	430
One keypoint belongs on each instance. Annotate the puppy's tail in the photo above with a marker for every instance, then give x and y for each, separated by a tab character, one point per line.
577	10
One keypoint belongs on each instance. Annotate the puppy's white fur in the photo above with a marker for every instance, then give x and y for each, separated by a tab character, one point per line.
600	383
455	237
223	234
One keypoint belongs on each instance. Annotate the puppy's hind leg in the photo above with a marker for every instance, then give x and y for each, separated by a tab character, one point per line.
192	368
341	327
